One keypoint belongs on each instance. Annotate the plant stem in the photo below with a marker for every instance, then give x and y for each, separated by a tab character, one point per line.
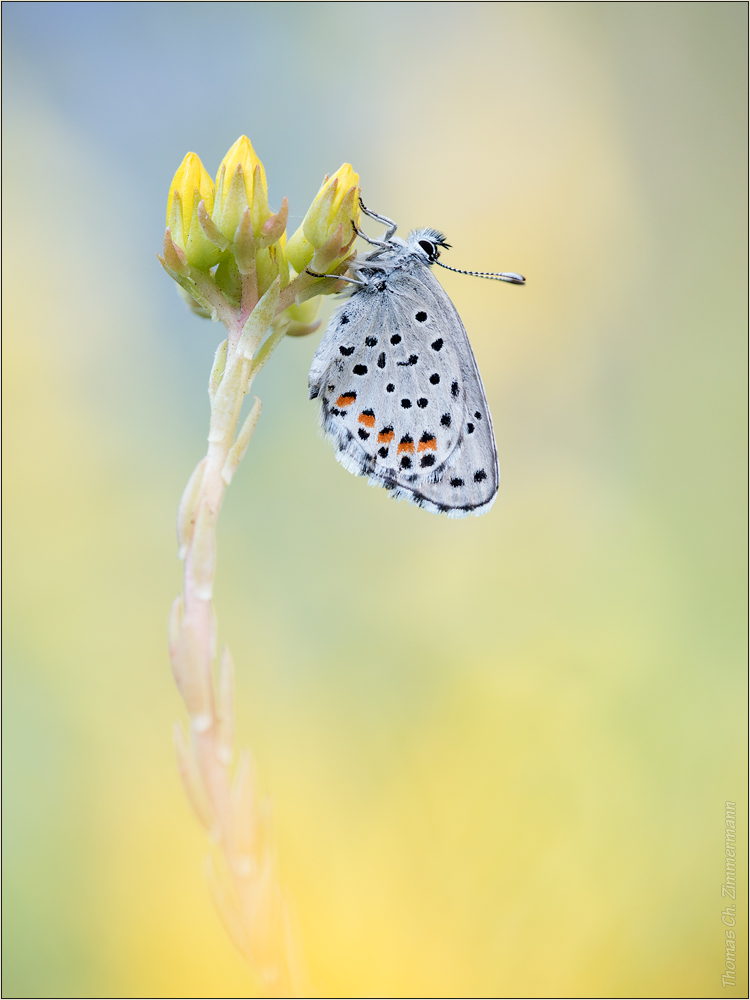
243	872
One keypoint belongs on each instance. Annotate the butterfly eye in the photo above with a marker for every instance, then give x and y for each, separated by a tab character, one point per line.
430	249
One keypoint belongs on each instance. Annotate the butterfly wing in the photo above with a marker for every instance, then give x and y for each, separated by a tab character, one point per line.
402	398
470	481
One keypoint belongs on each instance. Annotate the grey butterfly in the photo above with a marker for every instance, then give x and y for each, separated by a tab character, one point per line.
401	396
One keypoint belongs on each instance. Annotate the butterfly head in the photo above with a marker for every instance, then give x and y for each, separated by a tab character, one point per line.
425	244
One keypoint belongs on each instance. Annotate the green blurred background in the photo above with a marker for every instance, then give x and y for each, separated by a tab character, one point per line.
498	748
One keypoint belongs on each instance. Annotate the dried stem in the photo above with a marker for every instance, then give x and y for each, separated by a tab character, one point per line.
242	869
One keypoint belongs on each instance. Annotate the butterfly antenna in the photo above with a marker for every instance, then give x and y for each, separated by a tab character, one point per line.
511	276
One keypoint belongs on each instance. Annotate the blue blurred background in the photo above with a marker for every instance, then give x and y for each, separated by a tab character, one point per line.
499	748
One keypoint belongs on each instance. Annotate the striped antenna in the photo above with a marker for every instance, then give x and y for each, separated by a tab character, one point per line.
511	276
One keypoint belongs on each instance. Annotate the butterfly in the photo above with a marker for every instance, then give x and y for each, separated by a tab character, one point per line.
401	395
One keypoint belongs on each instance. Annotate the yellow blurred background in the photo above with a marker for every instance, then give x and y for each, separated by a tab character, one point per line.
498	749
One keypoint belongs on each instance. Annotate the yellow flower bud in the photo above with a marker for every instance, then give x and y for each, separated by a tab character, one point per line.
302	317
190	186
300	251
240	183
271	263
336	204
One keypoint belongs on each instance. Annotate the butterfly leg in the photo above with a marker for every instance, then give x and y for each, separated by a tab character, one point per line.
374	243
392	226
338	277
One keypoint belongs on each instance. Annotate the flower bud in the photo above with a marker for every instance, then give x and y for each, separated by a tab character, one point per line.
336	204
240	183
191	186
302	318
271	263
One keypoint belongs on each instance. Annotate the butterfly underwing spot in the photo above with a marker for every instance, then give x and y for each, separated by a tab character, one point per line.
344	319
383	452
346	399
396	338
406	444
421	316
422	402
381	359
331	388
360	369
455	389
478	415
367	417
435	378
455	483
363	434
427	461
470	428
346	351
427	442
371	341
386	435
437	344
390	387
406	364
445	420
479	475
406	403
405	462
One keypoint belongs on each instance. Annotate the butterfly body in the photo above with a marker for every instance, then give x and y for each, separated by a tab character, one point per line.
401	396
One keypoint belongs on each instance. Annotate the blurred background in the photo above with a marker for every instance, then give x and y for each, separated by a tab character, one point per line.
499	748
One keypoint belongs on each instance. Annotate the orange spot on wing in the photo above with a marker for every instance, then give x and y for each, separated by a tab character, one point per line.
367	419
406	446
346	399
429	445
386	436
